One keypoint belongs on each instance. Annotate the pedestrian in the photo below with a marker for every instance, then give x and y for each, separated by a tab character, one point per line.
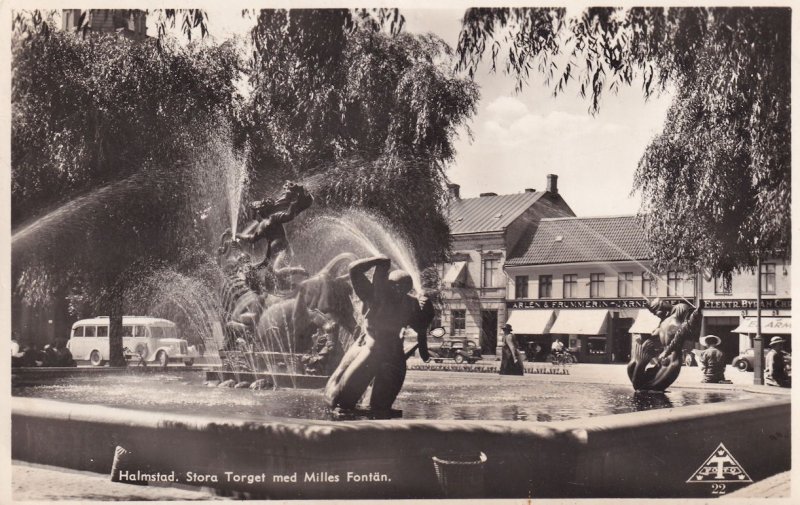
776	370
712	360
511	361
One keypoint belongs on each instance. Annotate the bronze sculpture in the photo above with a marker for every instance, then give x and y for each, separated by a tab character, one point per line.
657	359
377	355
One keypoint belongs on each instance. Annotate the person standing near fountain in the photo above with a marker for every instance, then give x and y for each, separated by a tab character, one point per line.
377	356
270	217
775	365
511	362
712	361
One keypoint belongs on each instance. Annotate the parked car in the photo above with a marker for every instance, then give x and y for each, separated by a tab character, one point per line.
457	350
744	361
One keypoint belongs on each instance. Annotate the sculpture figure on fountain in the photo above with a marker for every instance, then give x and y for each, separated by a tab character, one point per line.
377	355
269	217
656	359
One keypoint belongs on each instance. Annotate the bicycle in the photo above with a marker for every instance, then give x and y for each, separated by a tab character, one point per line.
562	358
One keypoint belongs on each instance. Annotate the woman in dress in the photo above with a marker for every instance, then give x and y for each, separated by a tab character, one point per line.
511	363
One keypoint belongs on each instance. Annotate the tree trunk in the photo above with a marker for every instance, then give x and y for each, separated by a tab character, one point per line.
115	355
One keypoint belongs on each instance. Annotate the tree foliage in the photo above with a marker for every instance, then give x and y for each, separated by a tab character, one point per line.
716	183
108	127
336	95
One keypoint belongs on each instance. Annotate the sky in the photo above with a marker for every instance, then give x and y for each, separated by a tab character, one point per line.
519	138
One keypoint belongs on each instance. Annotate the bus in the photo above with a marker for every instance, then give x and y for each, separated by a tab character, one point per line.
143	338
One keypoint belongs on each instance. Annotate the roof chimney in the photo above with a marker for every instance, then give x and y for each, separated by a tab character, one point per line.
530	190
488	194
454	190
552	183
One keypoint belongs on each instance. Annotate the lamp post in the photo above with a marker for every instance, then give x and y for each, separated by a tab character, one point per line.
758	343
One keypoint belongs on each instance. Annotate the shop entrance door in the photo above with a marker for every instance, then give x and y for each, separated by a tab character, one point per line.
488	331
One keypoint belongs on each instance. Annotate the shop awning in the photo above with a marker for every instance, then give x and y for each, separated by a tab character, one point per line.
645	322
580	322
456	273
531	322
769	325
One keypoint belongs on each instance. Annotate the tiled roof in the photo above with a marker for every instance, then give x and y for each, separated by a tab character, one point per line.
616	238
489	213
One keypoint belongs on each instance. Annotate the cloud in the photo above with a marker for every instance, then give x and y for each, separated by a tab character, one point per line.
506	109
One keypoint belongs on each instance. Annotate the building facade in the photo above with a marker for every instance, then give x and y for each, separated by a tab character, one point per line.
131	24
483	231
587	282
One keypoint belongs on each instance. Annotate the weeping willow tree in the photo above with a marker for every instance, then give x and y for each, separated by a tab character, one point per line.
716	183
348	99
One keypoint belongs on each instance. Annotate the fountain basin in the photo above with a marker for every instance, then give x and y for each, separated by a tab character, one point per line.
640	454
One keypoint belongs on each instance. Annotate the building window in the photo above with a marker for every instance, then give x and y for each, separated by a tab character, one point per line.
649	284
625	284
597	285
521	286
673	282
459	322
680	284
570	286
722	285
545	286
489	272
768	278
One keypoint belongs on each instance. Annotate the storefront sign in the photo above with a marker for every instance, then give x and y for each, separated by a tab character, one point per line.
611	303
741	304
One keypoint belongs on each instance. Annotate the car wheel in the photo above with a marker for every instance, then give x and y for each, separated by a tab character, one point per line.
189	362
459	359
162	359
95	359
741	365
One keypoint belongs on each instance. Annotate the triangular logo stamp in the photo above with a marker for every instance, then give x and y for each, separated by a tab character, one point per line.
720	467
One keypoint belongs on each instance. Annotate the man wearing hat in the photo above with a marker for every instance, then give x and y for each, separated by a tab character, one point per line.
712	361
775	370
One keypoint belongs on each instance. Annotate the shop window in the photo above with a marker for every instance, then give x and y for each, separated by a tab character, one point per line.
597	285
521	286
545	286
649	284
768	278
596	345
722	285
570	286
458	324
625	284
490	267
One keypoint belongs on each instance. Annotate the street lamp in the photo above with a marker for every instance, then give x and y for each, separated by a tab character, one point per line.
758	343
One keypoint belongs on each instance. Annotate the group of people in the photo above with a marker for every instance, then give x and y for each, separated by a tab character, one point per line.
55	354
776	370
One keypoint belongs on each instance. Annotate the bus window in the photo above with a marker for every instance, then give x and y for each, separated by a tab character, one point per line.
138	331
78	331
127	330
89	331
157	331
102	331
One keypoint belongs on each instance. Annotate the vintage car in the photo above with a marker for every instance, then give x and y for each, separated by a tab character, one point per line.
457	350
744	361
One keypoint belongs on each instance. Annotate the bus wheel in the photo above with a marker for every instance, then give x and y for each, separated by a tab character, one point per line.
162	359
95	359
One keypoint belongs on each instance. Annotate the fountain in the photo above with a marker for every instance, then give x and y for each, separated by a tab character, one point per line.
287	314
